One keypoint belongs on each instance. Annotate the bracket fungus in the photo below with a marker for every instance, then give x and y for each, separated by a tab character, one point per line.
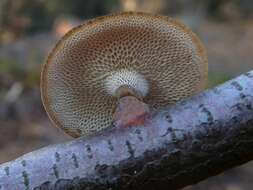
130	58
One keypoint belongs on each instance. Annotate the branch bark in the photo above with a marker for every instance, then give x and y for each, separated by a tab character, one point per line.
177	146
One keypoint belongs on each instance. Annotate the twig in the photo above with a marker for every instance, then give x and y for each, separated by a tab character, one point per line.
177	146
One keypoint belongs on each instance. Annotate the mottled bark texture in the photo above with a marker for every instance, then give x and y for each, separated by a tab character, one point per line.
177	146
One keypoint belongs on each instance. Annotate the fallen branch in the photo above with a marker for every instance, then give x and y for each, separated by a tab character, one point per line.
177	146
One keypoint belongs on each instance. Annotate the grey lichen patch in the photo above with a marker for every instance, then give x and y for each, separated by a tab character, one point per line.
168	131
237	85
238	106
138	132
110	146
242	96
7	170
56	172
26	179
75	160
172	132
57	157
249	74
168	118
88	149
130	148
216	90
246	105
249	106
90	156
23	162
235	119
209	115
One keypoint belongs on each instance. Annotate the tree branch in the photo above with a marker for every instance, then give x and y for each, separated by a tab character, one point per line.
177	146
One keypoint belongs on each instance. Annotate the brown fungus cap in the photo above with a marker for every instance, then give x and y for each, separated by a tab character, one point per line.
158	58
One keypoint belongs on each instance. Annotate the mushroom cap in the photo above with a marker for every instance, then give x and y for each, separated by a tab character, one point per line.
159	56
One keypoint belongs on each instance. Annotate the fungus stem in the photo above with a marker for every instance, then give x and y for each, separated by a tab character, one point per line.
126	90
123	83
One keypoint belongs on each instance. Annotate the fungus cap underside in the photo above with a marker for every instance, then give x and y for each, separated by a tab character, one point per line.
161	50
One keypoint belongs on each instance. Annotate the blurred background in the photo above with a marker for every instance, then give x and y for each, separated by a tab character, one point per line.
30	28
